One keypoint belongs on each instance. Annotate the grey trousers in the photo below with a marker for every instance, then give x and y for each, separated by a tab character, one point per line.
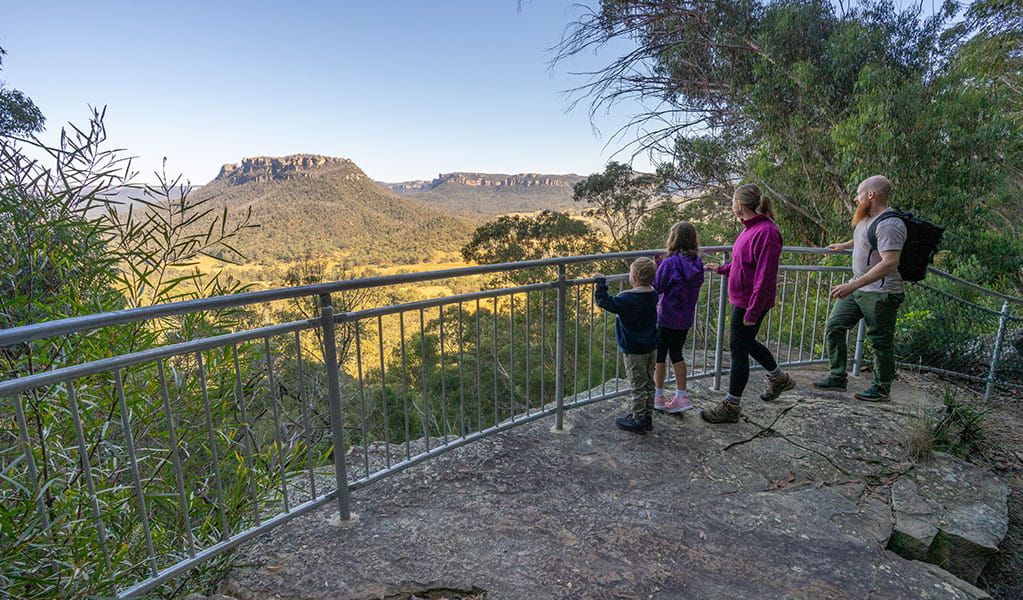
639	368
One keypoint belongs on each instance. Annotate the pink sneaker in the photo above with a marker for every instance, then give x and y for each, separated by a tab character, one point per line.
659	403
679	403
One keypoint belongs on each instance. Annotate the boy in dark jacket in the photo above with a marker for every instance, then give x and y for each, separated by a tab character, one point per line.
636	333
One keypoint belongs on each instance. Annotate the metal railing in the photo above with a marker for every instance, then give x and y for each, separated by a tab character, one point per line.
170	456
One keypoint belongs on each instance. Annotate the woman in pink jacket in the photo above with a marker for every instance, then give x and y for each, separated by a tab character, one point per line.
752	284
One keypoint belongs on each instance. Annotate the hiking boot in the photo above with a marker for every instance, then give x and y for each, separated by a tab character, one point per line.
725	412
777	385
679	403
659	403
630	423
874	393
830	382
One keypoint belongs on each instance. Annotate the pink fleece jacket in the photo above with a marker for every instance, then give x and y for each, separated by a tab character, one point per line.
753	272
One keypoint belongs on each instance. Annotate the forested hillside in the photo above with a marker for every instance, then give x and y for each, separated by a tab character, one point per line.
480	196
305	203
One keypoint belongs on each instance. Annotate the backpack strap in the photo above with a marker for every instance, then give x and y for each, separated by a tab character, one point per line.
872	230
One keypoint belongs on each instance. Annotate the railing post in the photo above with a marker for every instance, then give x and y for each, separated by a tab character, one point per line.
861	333
719	343
30	459
559	351
1002	320
334	398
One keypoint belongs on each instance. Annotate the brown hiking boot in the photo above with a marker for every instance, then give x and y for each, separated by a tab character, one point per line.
725	412
777	385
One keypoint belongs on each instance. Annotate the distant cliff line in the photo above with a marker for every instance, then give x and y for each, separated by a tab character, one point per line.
269	168
488	180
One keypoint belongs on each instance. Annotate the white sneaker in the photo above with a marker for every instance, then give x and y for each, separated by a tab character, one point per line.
679	403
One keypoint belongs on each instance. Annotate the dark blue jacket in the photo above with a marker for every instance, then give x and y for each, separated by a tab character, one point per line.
636	325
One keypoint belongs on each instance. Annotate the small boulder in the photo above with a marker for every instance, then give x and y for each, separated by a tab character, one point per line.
951	514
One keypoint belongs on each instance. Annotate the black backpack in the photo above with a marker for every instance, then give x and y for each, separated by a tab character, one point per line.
922	238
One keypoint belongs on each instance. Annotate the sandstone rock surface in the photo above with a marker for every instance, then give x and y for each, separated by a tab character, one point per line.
801	499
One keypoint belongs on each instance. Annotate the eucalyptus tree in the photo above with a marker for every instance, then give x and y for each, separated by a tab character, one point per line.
806	98
18	114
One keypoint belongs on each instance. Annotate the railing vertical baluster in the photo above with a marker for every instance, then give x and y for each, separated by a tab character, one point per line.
426	414
511	356
306	410
719	342
363	418
443	375
792	317
90	485
706	322
479	371
136	476
179	474
529	399
782	305
618	355
827	314
589	352
275	404
559	352
816	309
212	438
543	345
405	386
461	372
33	473
383	393
307	423
1003	319
575	351
858	355
603	351
497	409
334	397
802	323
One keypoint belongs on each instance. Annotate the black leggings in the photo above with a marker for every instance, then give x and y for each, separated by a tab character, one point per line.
670	342
743	342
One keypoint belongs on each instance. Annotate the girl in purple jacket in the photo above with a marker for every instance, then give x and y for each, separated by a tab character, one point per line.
752	284
678	280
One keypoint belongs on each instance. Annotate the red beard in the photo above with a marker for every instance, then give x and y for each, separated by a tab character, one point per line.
862	212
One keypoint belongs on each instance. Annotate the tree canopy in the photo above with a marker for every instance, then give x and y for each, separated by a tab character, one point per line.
18	114
806	99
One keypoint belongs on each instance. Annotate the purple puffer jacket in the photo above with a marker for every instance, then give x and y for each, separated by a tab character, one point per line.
678	281
753	272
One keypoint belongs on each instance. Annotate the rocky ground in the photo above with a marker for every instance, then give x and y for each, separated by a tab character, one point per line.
798	500
1001	450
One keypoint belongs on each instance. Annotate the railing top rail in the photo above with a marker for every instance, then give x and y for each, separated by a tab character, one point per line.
58	327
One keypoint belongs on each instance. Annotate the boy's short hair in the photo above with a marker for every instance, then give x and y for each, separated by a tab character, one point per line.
643	270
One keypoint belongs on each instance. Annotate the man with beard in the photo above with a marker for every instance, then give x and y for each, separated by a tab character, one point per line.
874	293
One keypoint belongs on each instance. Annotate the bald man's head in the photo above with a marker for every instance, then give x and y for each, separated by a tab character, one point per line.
878	184
871	197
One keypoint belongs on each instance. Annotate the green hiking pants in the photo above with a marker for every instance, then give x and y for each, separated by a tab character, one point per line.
878	310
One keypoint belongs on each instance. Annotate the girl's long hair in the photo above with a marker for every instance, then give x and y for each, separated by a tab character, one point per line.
682	240
751	197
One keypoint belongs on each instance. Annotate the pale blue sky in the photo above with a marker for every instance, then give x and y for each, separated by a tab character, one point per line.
405	88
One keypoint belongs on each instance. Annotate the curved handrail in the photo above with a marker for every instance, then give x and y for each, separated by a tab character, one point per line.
27	333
